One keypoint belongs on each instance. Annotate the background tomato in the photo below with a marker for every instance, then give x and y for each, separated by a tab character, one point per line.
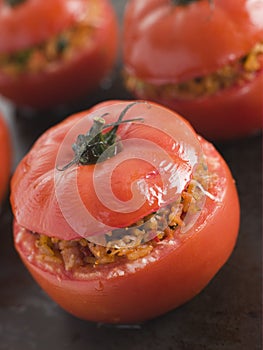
67	79
125	292
5	156
31	22
168	42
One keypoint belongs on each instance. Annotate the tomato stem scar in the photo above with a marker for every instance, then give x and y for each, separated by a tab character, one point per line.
97	146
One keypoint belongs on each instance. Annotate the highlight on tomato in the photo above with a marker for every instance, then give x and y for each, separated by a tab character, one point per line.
54	52
121	206
202	58
6	157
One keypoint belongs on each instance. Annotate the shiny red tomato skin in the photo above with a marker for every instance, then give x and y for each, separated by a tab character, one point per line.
72	79
146	288
175	271
161	46
5	156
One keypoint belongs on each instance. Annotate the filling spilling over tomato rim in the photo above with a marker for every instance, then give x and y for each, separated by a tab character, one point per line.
61	47
78	256
236	73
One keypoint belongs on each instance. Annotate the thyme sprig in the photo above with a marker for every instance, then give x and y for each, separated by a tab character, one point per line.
97	146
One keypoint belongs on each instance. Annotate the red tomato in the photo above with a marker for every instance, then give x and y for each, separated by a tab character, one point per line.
178	267
87	57
5	152
169	44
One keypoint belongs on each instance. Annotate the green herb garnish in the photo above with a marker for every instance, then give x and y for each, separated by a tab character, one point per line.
96	146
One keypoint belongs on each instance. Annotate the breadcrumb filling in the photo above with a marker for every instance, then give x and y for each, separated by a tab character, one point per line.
236	73
61	47
129	243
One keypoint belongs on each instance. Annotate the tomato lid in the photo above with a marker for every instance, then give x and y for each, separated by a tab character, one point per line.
155	160
168	43
31	22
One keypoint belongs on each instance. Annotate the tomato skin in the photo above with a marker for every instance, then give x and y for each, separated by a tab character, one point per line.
5	152
70	79
161	47
146	290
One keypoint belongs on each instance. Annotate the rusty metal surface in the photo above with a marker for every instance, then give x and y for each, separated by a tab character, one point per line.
227	315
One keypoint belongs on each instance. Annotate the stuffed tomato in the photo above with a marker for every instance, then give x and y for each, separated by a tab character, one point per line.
53	52
120	206
202	58
6	157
